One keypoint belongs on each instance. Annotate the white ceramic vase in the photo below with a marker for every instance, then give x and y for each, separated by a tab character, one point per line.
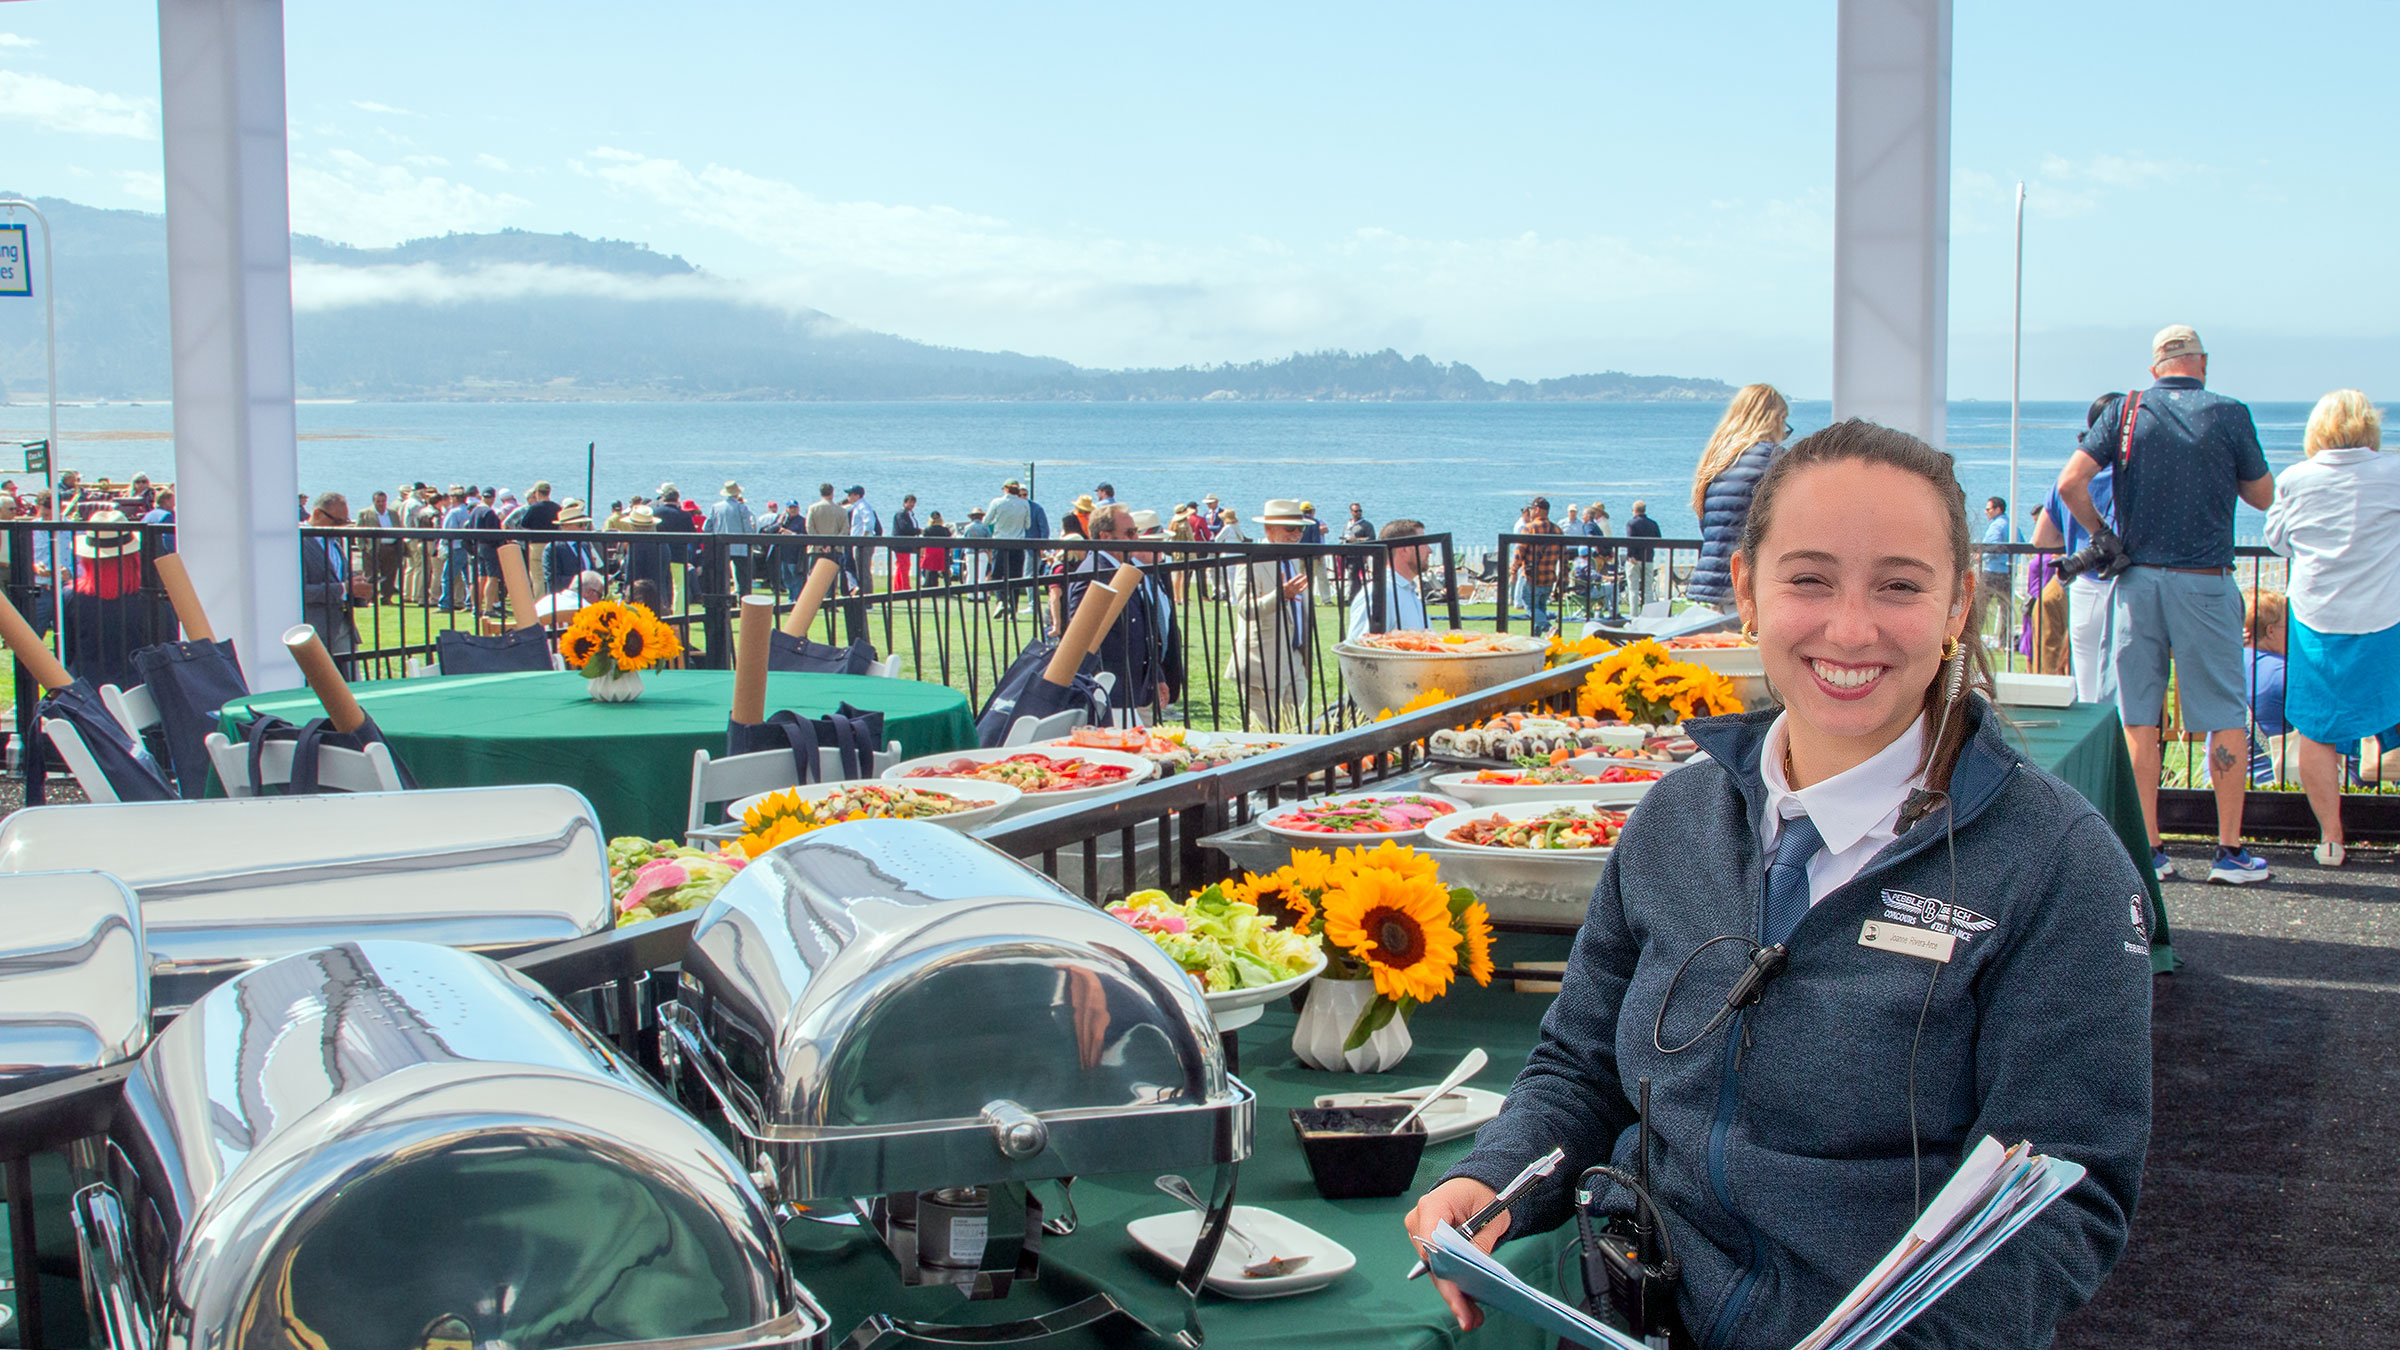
1332	1009
617	686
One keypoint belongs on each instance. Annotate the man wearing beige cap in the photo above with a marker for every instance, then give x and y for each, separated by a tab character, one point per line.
1273	623
2182	458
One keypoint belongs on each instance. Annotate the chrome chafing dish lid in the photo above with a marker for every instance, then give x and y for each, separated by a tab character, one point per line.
228	884
74	991
395	1143
906	1007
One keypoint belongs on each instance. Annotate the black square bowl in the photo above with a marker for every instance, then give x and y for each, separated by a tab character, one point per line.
1359	1166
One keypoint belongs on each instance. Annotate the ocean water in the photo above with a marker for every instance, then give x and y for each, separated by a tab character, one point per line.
1466	468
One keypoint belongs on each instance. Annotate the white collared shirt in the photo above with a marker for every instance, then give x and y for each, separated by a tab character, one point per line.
1857	810
2337	517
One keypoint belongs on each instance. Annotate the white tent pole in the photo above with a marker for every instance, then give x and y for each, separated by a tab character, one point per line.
229	294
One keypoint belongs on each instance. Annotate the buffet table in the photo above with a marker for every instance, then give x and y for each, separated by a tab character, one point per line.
632	760
1371	1306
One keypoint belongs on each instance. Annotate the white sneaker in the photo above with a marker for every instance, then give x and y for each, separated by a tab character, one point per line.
2331	853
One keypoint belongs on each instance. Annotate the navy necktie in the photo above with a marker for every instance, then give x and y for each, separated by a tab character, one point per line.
1787	877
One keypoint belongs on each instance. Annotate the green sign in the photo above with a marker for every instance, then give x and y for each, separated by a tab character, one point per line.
37	456
16	271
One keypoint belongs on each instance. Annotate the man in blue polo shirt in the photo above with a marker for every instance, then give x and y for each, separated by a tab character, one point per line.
2183	459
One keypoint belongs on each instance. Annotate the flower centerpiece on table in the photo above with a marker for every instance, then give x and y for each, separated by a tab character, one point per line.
610	644
1561	652
1641	683
1394	936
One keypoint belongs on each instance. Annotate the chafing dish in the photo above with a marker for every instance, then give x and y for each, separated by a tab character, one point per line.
395	1144
73	992
226	885
900	1015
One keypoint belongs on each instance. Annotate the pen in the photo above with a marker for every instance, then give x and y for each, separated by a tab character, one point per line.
1534	1171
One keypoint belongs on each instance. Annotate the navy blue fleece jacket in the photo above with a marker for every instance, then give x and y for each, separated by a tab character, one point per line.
1784	1164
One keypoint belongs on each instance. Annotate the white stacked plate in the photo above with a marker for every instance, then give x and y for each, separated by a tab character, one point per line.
1170	1238
1321	839
1137	770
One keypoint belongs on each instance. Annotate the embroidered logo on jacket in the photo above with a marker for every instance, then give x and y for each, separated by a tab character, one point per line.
2137	908
1938	916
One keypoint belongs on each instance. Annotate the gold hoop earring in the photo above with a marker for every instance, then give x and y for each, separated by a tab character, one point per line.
1950	649
1749	635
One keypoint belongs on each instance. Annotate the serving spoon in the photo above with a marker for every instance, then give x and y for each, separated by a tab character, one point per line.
1467	1068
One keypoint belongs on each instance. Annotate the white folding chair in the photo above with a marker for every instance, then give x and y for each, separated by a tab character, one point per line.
883	669
368	770
133	708
1027	730
77	756
717	781
419	665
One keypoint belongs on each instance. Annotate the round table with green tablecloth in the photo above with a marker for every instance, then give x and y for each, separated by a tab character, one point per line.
633	760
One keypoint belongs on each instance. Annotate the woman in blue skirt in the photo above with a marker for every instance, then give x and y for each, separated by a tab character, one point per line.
2337	517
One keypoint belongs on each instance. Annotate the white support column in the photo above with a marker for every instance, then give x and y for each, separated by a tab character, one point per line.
1891	215
229	290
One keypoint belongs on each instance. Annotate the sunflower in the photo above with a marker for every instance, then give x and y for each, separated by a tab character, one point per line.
643	643
1399	927
1273	895
1477	923
580	645
1424	700
1309	870
1387	856
1598	695
757	842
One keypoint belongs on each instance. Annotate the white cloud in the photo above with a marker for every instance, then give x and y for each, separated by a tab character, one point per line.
55	105
425	161
144	187
386	109
14	42
492	162
946	275
348	198
320	286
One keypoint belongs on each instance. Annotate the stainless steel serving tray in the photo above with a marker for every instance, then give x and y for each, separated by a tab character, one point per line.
74	987
400	1144
886	1006
228	884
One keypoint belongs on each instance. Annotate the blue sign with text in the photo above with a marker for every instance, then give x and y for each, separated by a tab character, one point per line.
16	270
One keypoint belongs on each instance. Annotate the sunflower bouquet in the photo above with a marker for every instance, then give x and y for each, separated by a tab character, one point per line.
608	638
1641	683
1382	914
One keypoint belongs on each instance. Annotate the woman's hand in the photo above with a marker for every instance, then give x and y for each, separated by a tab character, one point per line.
1454	1202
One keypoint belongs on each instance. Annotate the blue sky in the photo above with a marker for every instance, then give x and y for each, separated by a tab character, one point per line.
1534	189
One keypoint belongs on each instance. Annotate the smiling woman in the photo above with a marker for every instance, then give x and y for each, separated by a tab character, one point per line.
1863	934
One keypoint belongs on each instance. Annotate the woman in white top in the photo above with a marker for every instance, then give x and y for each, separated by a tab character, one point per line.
2337	517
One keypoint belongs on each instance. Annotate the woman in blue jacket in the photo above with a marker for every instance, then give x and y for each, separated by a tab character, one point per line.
1796	1141
1747	439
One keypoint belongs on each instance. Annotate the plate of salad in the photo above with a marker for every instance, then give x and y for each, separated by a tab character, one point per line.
1359	815
652	878
1241	959
1047	775
960	803
1557	828
1617	784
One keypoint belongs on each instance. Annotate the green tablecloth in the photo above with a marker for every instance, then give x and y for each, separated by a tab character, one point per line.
1372	1306
632	760
2084	745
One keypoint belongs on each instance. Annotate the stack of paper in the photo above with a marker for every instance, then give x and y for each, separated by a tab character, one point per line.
1993	1194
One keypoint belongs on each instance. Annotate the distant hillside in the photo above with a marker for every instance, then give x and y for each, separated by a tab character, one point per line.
516	315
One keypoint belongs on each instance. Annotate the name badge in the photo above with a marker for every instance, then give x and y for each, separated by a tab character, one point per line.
1893	937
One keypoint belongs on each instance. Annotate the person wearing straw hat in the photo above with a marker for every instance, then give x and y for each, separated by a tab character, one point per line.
329	586
103	604
1273	625
645	555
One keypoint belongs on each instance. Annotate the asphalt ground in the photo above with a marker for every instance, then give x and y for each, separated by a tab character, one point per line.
2270	1207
